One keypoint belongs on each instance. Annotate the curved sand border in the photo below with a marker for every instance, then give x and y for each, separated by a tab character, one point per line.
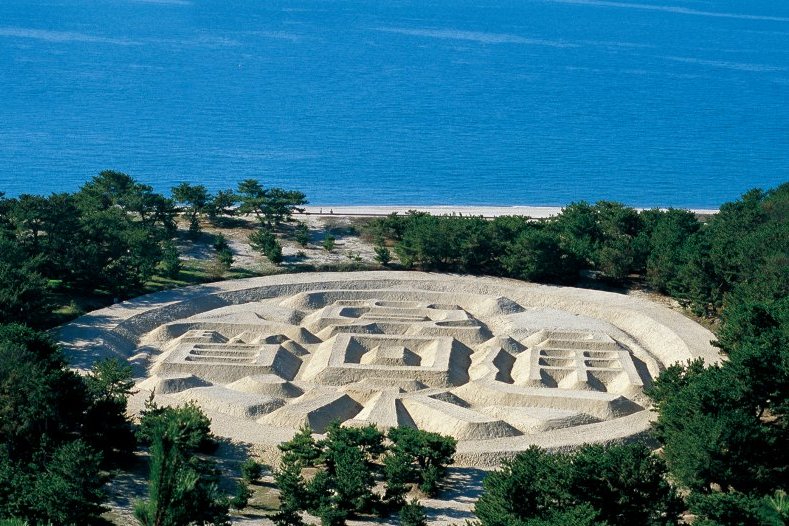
517	313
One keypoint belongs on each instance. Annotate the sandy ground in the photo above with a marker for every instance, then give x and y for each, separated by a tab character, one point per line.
350	247
485	211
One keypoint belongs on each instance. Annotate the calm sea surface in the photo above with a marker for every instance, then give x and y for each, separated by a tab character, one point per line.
500	102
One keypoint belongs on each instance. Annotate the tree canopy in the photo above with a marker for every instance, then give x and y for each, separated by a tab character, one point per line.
350	463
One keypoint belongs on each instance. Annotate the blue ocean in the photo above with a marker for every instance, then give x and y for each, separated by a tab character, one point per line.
468	102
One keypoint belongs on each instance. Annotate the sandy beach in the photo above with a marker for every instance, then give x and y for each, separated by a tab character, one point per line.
485	211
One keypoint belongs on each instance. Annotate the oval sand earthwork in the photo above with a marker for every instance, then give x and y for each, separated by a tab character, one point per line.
499	364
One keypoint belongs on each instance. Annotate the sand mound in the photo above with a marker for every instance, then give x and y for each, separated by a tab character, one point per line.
172	384
266	384
224	400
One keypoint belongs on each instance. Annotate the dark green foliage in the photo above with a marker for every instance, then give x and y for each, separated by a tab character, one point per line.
107	428
743	245
399	473
328	242
344	487
23	291
368	439
382	255
6	225
430	480
755	334
107	236
530	486
738	509
171	261
606	236
183	486
121	226
69	489
222	204
271	206
56	427
724	428
224	256
331	515
726	425
194	201
293	493
251	470
443	242
352	481
616	485
29	214
302	234
775	509
581	515
625	484
578	230
670	245
700	264
350	462
301	450
45	474
264	241
38	396
413	514
617	252
194	427
220	243
60	486
428	453
709	435
240	498
536	255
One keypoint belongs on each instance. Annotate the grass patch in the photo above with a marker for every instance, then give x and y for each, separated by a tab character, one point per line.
196	273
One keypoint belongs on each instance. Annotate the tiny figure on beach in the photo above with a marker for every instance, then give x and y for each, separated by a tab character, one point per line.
321	210
331	210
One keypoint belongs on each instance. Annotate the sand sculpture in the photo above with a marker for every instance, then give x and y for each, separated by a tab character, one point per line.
499	364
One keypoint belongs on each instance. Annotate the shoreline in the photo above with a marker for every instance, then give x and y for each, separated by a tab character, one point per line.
538	212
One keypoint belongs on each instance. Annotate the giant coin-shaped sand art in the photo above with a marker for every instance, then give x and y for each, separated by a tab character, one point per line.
498	364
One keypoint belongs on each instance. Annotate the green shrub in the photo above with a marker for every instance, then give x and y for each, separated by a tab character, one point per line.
251	470
240	499
328	242
171	261
302	234
413	514
382	255
264	241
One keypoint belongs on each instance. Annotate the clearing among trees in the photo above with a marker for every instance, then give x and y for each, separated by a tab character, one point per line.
498	364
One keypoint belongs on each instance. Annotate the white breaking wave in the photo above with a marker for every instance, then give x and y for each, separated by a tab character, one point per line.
62	36
475	36
671	9
740	66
